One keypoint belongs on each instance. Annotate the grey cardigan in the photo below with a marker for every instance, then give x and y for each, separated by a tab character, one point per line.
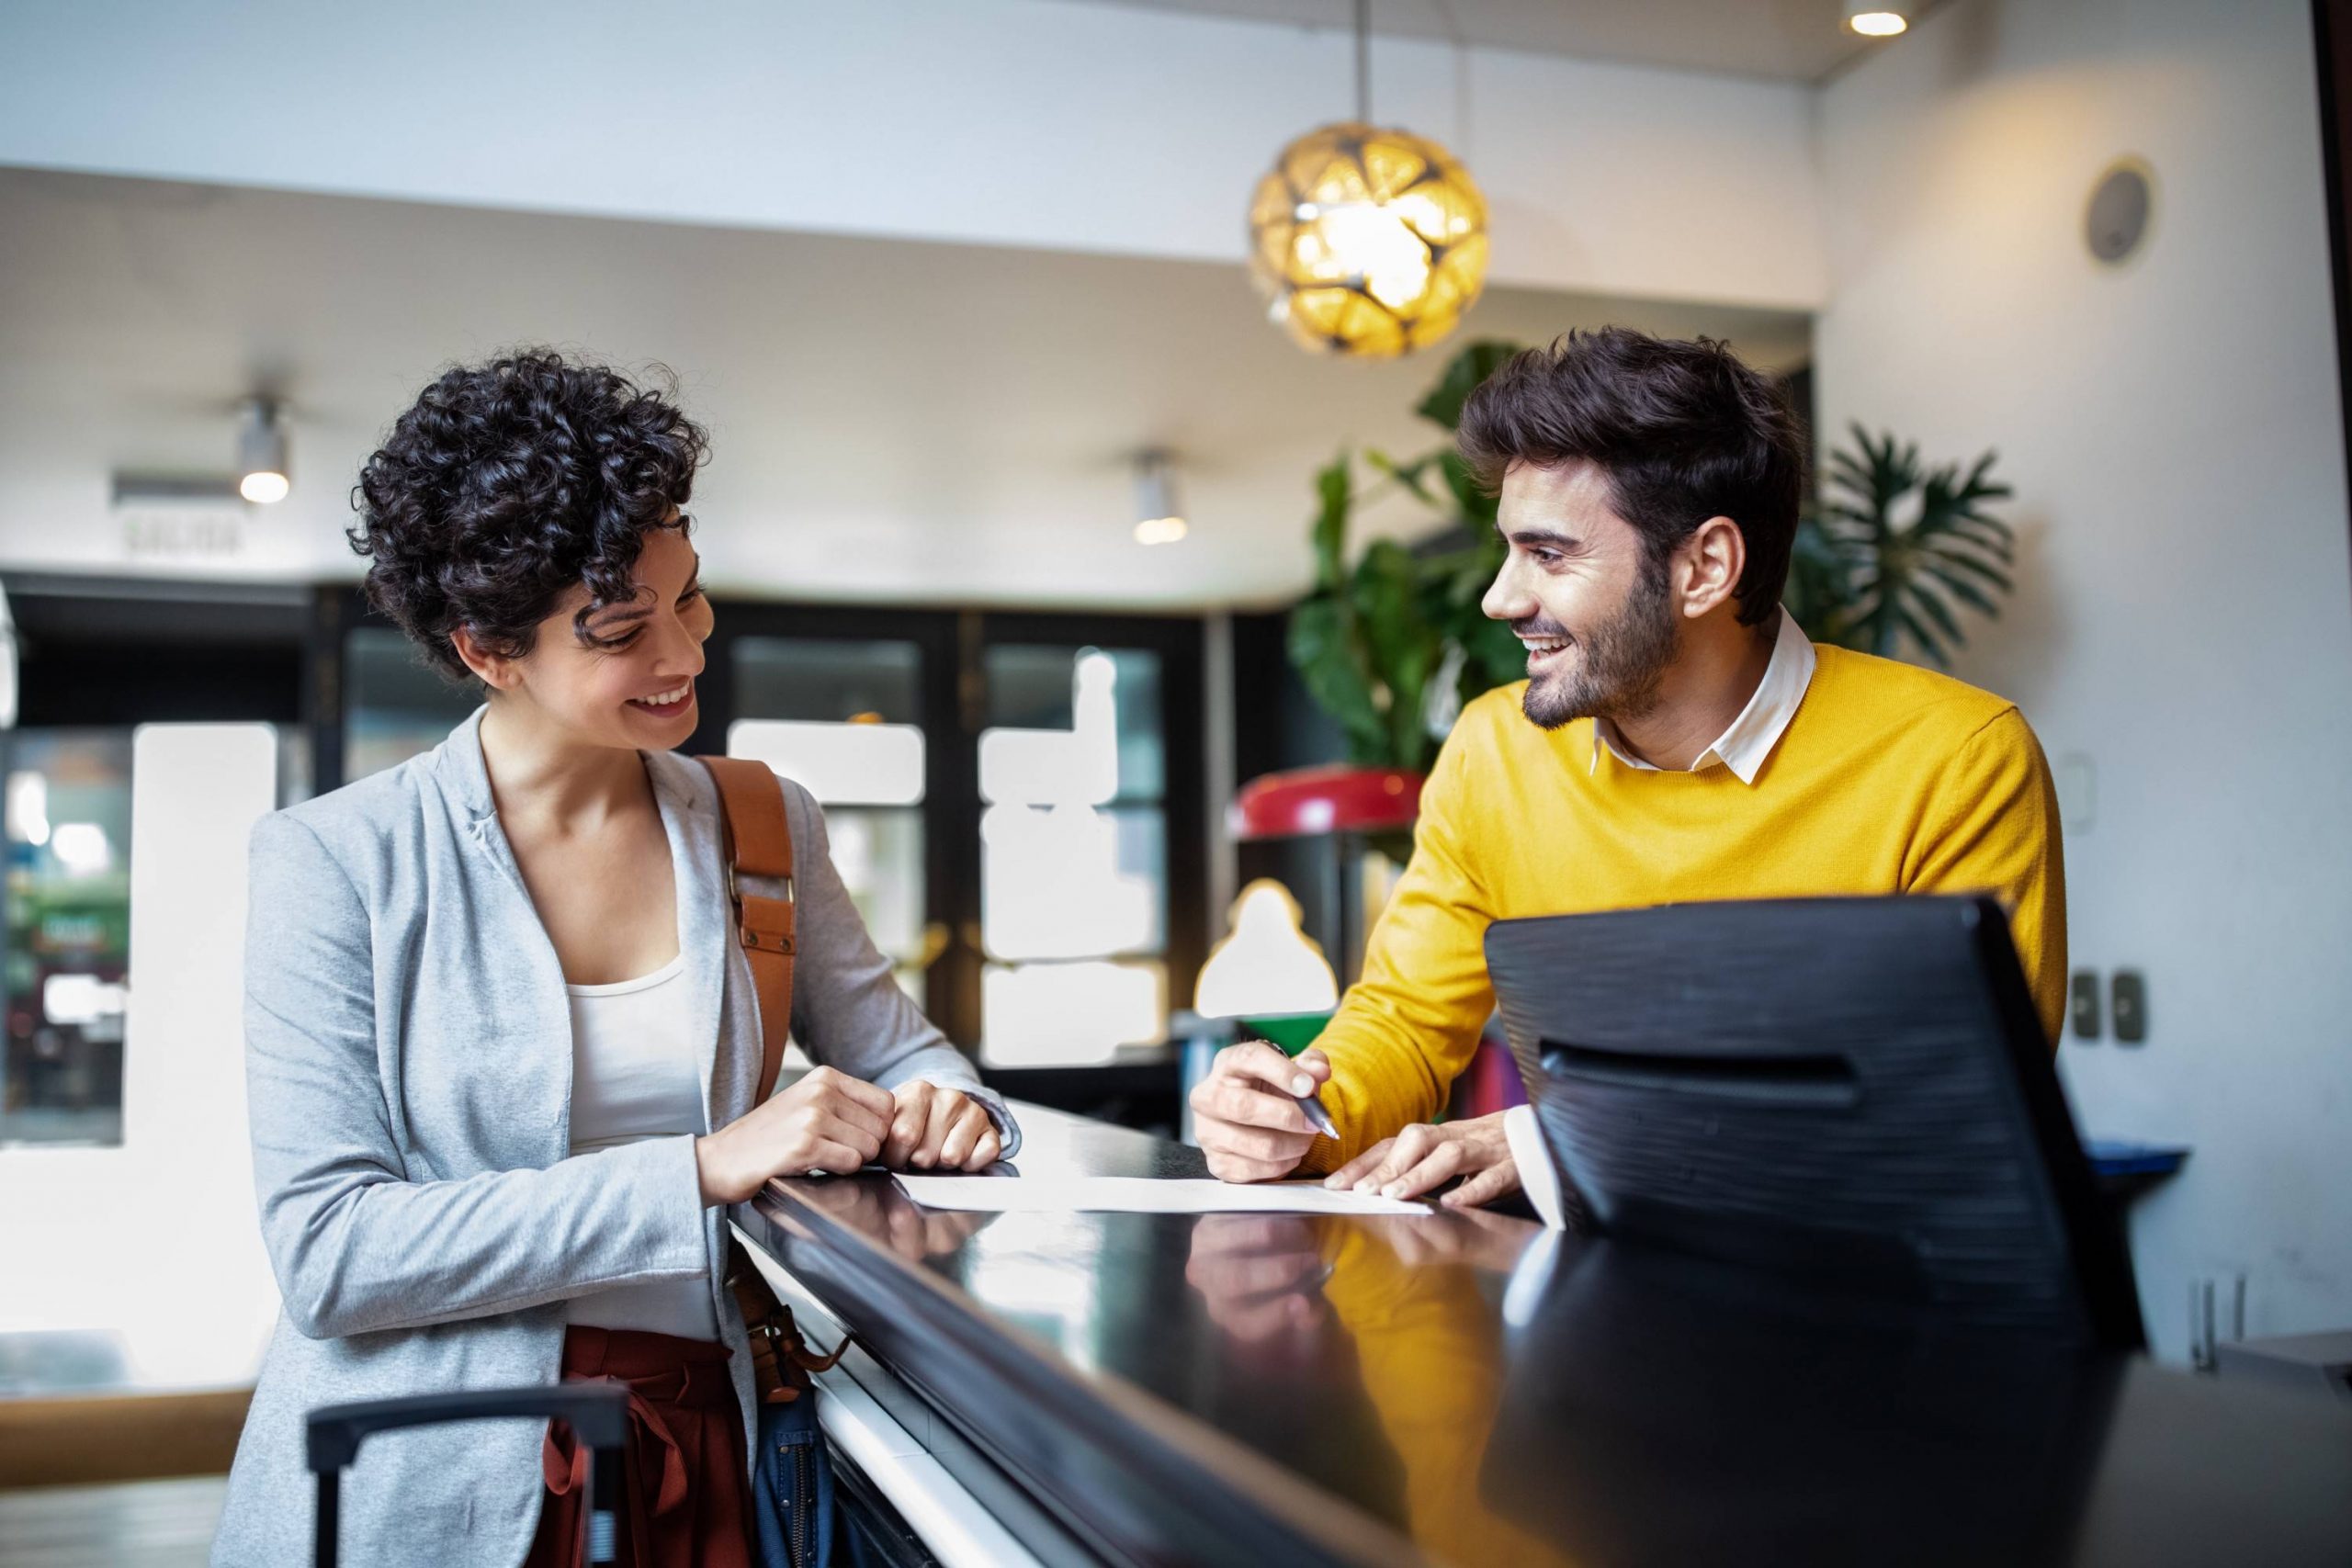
408	1059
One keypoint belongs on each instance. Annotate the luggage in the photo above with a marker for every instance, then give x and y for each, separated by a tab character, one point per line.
598	1411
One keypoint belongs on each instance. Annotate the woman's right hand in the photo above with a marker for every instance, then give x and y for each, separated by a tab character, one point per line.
828	1120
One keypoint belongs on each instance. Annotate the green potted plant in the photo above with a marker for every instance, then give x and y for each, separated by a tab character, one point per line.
1861	578
1392	643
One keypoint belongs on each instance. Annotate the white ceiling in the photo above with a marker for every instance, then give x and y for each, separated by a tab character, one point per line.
1788	40
892	419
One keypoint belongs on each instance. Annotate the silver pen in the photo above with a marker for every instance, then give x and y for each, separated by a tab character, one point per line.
1317	1117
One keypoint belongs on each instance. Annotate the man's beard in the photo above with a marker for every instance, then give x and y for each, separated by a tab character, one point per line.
1620	665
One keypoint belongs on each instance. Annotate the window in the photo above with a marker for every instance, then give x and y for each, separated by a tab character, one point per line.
98	660
1073	853
395	705
68	897
843	720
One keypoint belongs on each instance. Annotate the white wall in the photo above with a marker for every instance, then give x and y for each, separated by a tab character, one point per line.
891	420
1029	122
2185	622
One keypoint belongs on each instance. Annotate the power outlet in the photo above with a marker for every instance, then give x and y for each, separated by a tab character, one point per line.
2127	999
2082	1007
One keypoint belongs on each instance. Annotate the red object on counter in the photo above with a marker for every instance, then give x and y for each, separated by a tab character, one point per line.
1332	799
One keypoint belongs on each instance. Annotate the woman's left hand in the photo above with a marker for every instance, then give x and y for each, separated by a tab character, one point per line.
938	1129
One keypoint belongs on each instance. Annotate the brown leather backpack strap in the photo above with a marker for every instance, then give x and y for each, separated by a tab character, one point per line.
758	839
759	843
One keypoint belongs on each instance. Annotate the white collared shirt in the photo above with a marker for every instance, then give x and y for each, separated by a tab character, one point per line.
1751	736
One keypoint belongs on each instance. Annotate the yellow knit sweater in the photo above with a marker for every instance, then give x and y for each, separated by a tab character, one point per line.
1889	779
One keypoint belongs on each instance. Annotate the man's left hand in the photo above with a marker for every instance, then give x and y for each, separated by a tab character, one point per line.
1423	1157
938	1129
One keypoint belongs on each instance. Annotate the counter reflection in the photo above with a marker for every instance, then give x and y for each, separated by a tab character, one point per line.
1388	1328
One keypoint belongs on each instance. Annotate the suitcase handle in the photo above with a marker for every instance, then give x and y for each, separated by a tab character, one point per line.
598	1411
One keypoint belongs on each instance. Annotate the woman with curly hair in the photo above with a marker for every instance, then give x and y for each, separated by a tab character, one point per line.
502	1049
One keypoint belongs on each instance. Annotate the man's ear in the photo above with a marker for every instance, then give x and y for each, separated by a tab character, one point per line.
500	674
1710	564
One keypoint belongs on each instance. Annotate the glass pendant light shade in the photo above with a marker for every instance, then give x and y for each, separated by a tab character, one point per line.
1367	241
1267	963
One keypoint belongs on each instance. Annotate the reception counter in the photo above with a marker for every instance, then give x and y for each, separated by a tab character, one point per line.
1469	1389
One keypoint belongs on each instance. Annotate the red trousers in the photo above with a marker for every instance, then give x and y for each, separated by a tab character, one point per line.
687	1500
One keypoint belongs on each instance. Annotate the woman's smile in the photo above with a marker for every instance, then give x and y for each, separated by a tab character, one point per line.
669	704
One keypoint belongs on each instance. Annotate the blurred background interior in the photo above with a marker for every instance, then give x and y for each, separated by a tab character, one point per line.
1010	520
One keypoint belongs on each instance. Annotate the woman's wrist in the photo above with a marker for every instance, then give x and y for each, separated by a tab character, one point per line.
719	1181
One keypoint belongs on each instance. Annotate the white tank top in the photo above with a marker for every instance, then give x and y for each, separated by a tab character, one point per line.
634	1075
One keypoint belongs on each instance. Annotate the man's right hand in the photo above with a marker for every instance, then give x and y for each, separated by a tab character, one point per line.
1244	1113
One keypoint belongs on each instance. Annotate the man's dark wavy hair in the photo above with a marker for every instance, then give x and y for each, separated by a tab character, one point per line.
1684	431
506	485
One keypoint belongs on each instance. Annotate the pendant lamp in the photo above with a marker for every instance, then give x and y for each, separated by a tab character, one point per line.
1367	241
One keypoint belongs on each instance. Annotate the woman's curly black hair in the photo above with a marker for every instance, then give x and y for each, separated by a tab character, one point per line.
509	483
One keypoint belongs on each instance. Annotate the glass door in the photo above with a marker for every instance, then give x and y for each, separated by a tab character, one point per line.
97	660
67	949
1091	842
857	706
843	717
396	706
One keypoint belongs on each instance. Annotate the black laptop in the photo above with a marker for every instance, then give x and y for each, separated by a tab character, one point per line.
1855	1094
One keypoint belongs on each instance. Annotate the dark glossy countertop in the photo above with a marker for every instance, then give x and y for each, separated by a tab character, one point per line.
1252	1388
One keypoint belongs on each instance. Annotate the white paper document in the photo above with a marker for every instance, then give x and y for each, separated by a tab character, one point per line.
1142	1195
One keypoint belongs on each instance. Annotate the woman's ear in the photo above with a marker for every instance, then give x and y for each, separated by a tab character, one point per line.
1714	558
499	673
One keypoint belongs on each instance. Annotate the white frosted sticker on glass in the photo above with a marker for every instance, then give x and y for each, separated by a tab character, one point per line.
841	764
1054	887
1069	1014
1079	766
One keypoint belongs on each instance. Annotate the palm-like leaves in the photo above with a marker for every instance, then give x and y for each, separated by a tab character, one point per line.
1370	639
1376	641
1862	580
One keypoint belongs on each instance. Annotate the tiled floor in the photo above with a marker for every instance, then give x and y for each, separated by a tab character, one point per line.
147	1523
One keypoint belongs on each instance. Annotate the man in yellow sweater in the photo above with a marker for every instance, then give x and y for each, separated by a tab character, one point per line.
1678	738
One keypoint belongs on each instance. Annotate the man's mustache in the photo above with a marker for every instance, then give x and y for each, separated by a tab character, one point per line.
1540	629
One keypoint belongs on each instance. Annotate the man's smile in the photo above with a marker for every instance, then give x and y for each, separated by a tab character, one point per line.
1542	651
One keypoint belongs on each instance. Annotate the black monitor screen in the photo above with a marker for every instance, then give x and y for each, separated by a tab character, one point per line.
1854	1092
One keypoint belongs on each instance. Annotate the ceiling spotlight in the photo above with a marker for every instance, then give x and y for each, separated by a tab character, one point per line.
1159	520
261	454
1876	19
1160	530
